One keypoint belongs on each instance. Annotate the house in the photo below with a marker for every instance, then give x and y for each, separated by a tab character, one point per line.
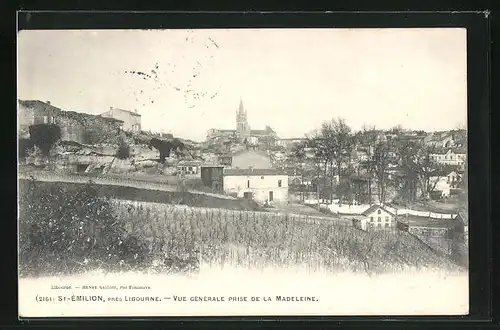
212	177
463	219
245	159
261	185
445	183
131	119
34	112
430	227
378	217
77	127
455	158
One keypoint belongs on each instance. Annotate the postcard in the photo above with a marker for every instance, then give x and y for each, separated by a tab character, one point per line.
242	172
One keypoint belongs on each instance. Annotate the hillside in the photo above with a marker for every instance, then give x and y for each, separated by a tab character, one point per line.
172	239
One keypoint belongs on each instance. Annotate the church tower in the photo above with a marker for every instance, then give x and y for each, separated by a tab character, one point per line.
242	127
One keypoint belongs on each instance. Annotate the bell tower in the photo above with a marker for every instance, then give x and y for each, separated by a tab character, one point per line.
242	127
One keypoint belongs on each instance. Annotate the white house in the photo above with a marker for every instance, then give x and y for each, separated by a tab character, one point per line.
449	158
378	217
260	185
131	119
444	183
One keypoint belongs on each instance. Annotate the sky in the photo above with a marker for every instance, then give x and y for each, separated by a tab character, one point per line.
188	81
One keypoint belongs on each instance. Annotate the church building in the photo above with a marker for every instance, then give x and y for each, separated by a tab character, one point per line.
243	133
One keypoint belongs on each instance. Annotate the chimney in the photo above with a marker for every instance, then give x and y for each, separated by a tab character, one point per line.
48	102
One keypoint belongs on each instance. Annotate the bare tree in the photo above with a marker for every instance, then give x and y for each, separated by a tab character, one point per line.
380	162
416	160
315	143
298	155
367	139
339	144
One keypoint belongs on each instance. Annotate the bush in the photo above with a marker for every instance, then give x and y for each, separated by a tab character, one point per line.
65	232
123	152
24	146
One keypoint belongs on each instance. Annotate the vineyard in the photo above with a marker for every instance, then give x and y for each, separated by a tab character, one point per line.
260	239
68	229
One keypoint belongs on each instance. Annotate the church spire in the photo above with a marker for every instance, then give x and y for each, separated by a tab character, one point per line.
241	109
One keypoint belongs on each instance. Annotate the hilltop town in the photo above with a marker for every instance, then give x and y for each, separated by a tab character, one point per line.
371	176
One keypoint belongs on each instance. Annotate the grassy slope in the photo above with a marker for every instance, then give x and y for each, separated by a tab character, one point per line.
149	195
267	240
183	237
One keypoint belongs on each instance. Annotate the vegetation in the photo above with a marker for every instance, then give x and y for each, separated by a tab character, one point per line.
396	163
166	147
123	151
44	136
69	230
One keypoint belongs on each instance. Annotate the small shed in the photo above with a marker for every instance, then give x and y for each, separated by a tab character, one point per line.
212	176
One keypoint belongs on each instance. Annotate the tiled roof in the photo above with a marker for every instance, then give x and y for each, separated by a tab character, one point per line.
416	221
189	163
250	172
124	110
37	104
373	208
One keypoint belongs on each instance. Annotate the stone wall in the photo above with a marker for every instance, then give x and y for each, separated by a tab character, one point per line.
88	129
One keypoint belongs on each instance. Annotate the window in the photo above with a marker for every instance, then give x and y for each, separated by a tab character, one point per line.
45	119
279	183
271	196
371	219
386	219
386	225
379	212
379	219
248	183
379	225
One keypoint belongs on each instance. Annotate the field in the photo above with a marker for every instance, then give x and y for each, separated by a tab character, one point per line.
259	240
70	228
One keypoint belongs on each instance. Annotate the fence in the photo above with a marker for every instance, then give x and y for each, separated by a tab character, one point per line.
358	209
235	214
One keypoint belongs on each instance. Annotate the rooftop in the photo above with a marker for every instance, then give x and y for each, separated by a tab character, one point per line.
251	172
375	207
37	104
416	221
124	110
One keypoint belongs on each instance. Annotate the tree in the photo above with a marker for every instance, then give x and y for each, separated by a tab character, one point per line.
315	143
298	156
426	170
24	146
166	147
380	162
367	138
44	136
338	146
416	162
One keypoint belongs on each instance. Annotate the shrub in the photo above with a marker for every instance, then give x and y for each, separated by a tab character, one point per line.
69	231
24	146
123	151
